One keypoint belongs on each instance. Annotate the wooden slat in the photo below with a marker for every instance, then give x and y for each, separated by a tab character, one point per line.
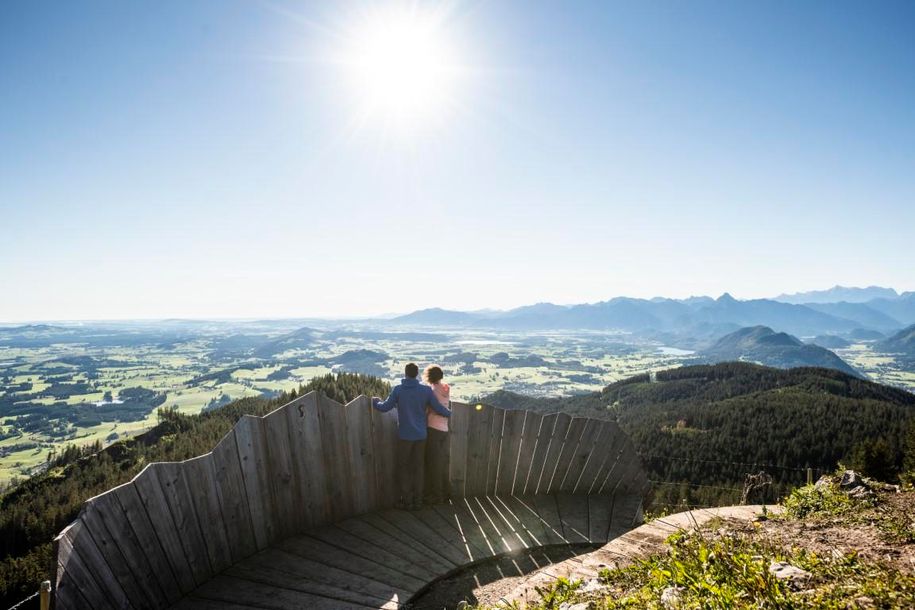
411	560
196	603
614	451
512	432
576	430
281	473
513	531
224	588
599	510
362	558
201	473
123	564
478	432
336	458
361	454
623	467
549	515
477	543
175	483
281	569
85	549
449	526
498	535
554	451
580	457
523	510
573	510
596	459
384	437
139	523
532	424
252	454
625	515
495	447
308	462
434	557
153	498
541	448
233	498
458	426
75	582
438	541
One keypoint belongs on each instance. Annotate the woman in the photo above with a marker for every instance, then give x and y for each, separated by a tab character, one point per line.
437	447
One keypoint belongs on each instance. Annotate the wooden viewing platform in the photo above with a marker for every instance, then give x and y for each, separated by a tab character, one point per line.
294	510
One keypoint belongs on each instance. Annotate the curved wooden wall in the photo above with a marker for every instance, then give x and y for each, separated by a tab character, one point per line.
312	462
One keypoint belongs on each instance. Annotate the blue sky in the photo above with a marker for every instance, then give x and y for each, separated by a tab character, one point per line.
213	159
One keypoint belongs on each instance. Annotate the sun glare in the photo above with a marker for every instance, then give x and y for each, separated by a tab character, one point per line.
402	66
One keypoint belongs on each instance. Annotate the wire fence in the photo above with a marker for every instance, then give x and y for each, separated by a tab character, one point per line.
22	604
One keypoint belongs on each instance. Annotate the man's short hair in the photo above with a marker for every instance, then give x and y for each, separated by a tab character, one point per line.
411	370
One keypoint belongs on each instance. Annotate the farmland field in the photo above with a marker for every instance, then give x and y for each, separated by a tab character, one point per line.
78	384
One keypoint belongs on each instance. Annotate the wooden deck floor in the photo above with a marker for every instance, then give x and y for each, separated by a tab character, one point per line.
384	559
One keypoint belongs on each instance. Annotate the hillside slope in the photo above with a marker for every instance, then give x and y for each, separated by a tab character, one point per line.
712	424
763	345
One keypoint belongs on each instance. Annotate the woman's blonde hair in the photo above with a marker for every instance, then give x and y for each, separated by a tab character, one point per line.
433	374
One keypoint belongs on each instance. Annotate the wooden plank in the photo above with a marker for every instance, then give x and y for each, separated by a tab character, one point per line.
233	498
599	509
153	499
573	510
625	515
384	438
436	559
577	429
476	529
201	472
549	515
361	454
76	581
231	589
580	457
622	468
178	497
512	433
252	454
532	424
336	458
541	448
524	512
423	564
458	426
450	527
308	461
495	446
439	541
476	542
478	432
196	603
513	531
281	473
356	556
596	459
614	452
495	531
279	568
92	558
127	563
554	451
139	523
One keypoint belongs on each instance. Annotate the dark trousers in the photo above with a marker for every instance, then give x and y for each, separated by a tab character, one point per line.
411	457
438	458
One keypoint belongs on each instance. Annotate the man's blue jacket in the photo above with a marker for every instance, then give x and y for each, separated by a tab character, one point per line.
411	399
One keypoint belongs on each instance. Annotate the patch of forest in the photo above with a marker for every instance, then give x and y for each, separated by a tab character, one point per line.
702	429
34	511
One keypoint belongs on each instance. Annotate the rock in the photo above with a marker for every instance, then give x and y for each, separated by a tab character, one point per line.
590	586
787	572
850	479
671	597
823	481
578	606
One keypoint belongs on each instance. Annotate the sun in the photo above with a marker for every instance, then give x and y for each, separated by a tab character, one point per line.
402	64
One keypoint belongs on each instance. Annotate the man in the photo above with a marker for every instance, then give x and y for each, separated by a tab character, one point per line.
411	399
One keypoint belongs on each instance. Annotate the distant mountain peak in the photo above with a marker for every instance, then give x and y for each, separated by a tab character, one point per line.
839	294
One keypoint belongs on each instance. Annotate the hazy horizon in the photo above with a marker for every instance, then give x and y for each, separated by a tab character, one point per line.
242	160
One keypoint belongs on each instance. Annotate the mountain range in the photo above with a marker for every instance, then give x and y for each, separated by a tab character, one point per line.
701	317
